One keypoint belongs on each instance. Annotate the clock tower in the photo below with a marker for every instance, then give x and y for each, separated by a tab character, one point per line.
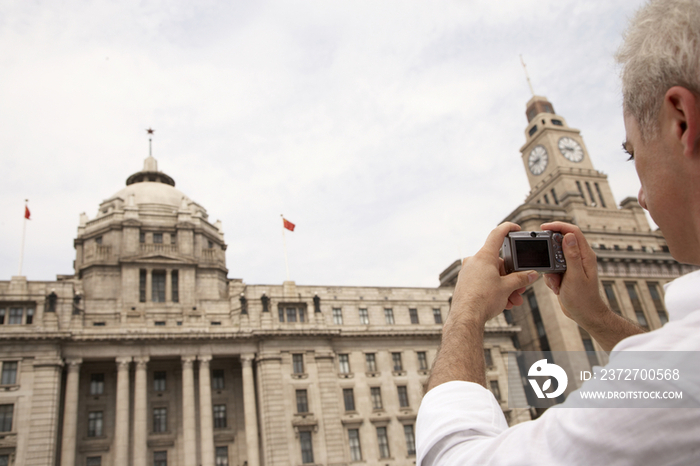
557	163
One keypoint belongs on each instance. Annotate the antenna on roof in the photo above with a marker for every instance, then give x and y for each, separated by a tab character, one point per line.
527	76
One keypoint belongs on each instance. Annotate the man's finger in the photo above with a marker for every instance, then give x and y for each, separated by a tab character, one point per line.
553	282
495	239
517	280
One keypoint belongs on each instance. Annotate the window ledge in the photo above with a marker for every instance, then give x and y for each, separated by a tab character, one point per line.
9	388
372	374
346	376
300	376
398	373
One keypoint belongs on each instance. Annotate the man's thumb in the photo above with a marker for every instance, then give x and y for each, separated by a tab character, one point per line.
519	280
572	254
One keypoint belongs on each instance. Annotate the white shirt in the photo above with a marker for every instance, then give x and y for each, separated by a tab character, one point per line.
461	423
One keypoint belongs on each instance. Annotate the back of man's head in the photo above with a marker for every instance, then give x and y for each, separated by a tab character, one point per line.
661	49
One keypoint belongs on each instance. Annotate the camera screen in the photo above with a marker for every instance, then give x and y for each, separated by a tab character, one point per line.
532	253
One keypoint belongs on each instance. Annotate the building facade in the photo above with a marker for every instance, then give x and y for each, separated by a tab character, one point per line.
633	261
150	355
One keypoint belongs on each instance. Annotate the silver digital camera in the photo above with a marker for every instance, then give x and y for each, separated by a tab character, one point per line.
534	250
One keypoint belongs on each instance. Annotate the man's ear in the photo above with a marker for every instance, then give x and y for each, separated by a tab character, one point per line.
682	112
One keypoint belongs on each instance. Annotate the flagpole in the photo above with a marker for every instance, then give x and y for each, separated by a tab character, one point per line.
284	240
24	231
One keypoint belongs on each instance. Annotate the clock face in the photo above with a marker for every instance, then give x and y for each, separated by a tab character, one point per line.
570	149
537	161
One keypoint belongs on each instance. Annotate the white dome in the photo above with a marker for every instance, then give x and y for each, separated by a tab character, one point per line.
147	192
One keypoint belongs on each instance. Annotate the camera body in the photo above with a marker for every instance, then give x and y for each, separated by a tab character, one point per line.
534	250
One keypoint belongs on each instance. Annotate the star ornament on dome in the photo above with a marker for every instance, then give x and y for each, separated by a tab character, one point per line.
150	131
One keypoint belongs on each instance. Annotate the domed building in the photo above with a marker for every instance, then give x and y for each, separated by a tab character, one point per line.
150	355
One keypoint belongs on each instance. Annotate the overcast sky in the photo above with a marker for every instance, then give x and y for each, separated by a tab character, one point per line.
387	131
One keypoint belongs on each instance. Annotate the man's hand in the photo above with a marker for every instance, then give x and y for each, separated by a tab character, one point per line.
483	289
579	292
577	289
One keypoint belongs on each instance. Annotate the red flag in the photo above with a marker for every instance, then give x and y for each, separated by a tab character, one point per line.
288	225
27	213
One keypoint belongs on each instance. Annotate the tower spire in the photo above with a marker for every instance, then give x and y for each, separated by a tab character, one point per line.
150	132
527	76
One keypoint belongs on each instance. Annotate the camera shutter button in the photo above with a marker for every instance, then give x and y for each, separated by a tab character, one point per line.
557	237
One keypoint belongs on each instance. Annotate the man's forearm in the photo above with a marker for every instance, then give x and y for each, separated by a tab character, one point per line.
611	329
461	354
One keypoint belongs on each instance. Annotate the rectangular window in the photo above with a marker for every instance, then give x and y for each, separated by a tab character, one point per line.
16	314
307	449
537	319
508	314
160	420
609	289
546	199
410	439
389	316
158	286
403	396
371	362
174	282
343	364
158	238
160	458
487	357
97	384
590	350
2	316
173	238
422	361
376	394
91	461
30	315
590	193
302	314
142	286
398	364
337	316
218	379
298	363
656	298
580	191
159	381
219	416
364	317
354	442
383	442
437	315
413	313
95	424
6	412
221	456
291	314
636	304
302	401
554	196
9	373
349	399
495	389
600	195
142	237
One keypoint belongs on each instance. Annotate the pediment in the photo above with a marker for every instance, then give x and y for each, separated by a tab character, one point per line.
159	258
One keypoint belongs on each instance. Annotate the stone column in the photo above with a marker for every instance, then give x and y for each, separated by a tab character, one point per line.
149	285
121	424
168	286
70	413
205	412
250	410
188	419
141	412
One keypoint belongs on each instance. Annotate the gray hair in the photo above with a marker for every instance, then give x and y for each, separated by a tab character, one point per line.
661	49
